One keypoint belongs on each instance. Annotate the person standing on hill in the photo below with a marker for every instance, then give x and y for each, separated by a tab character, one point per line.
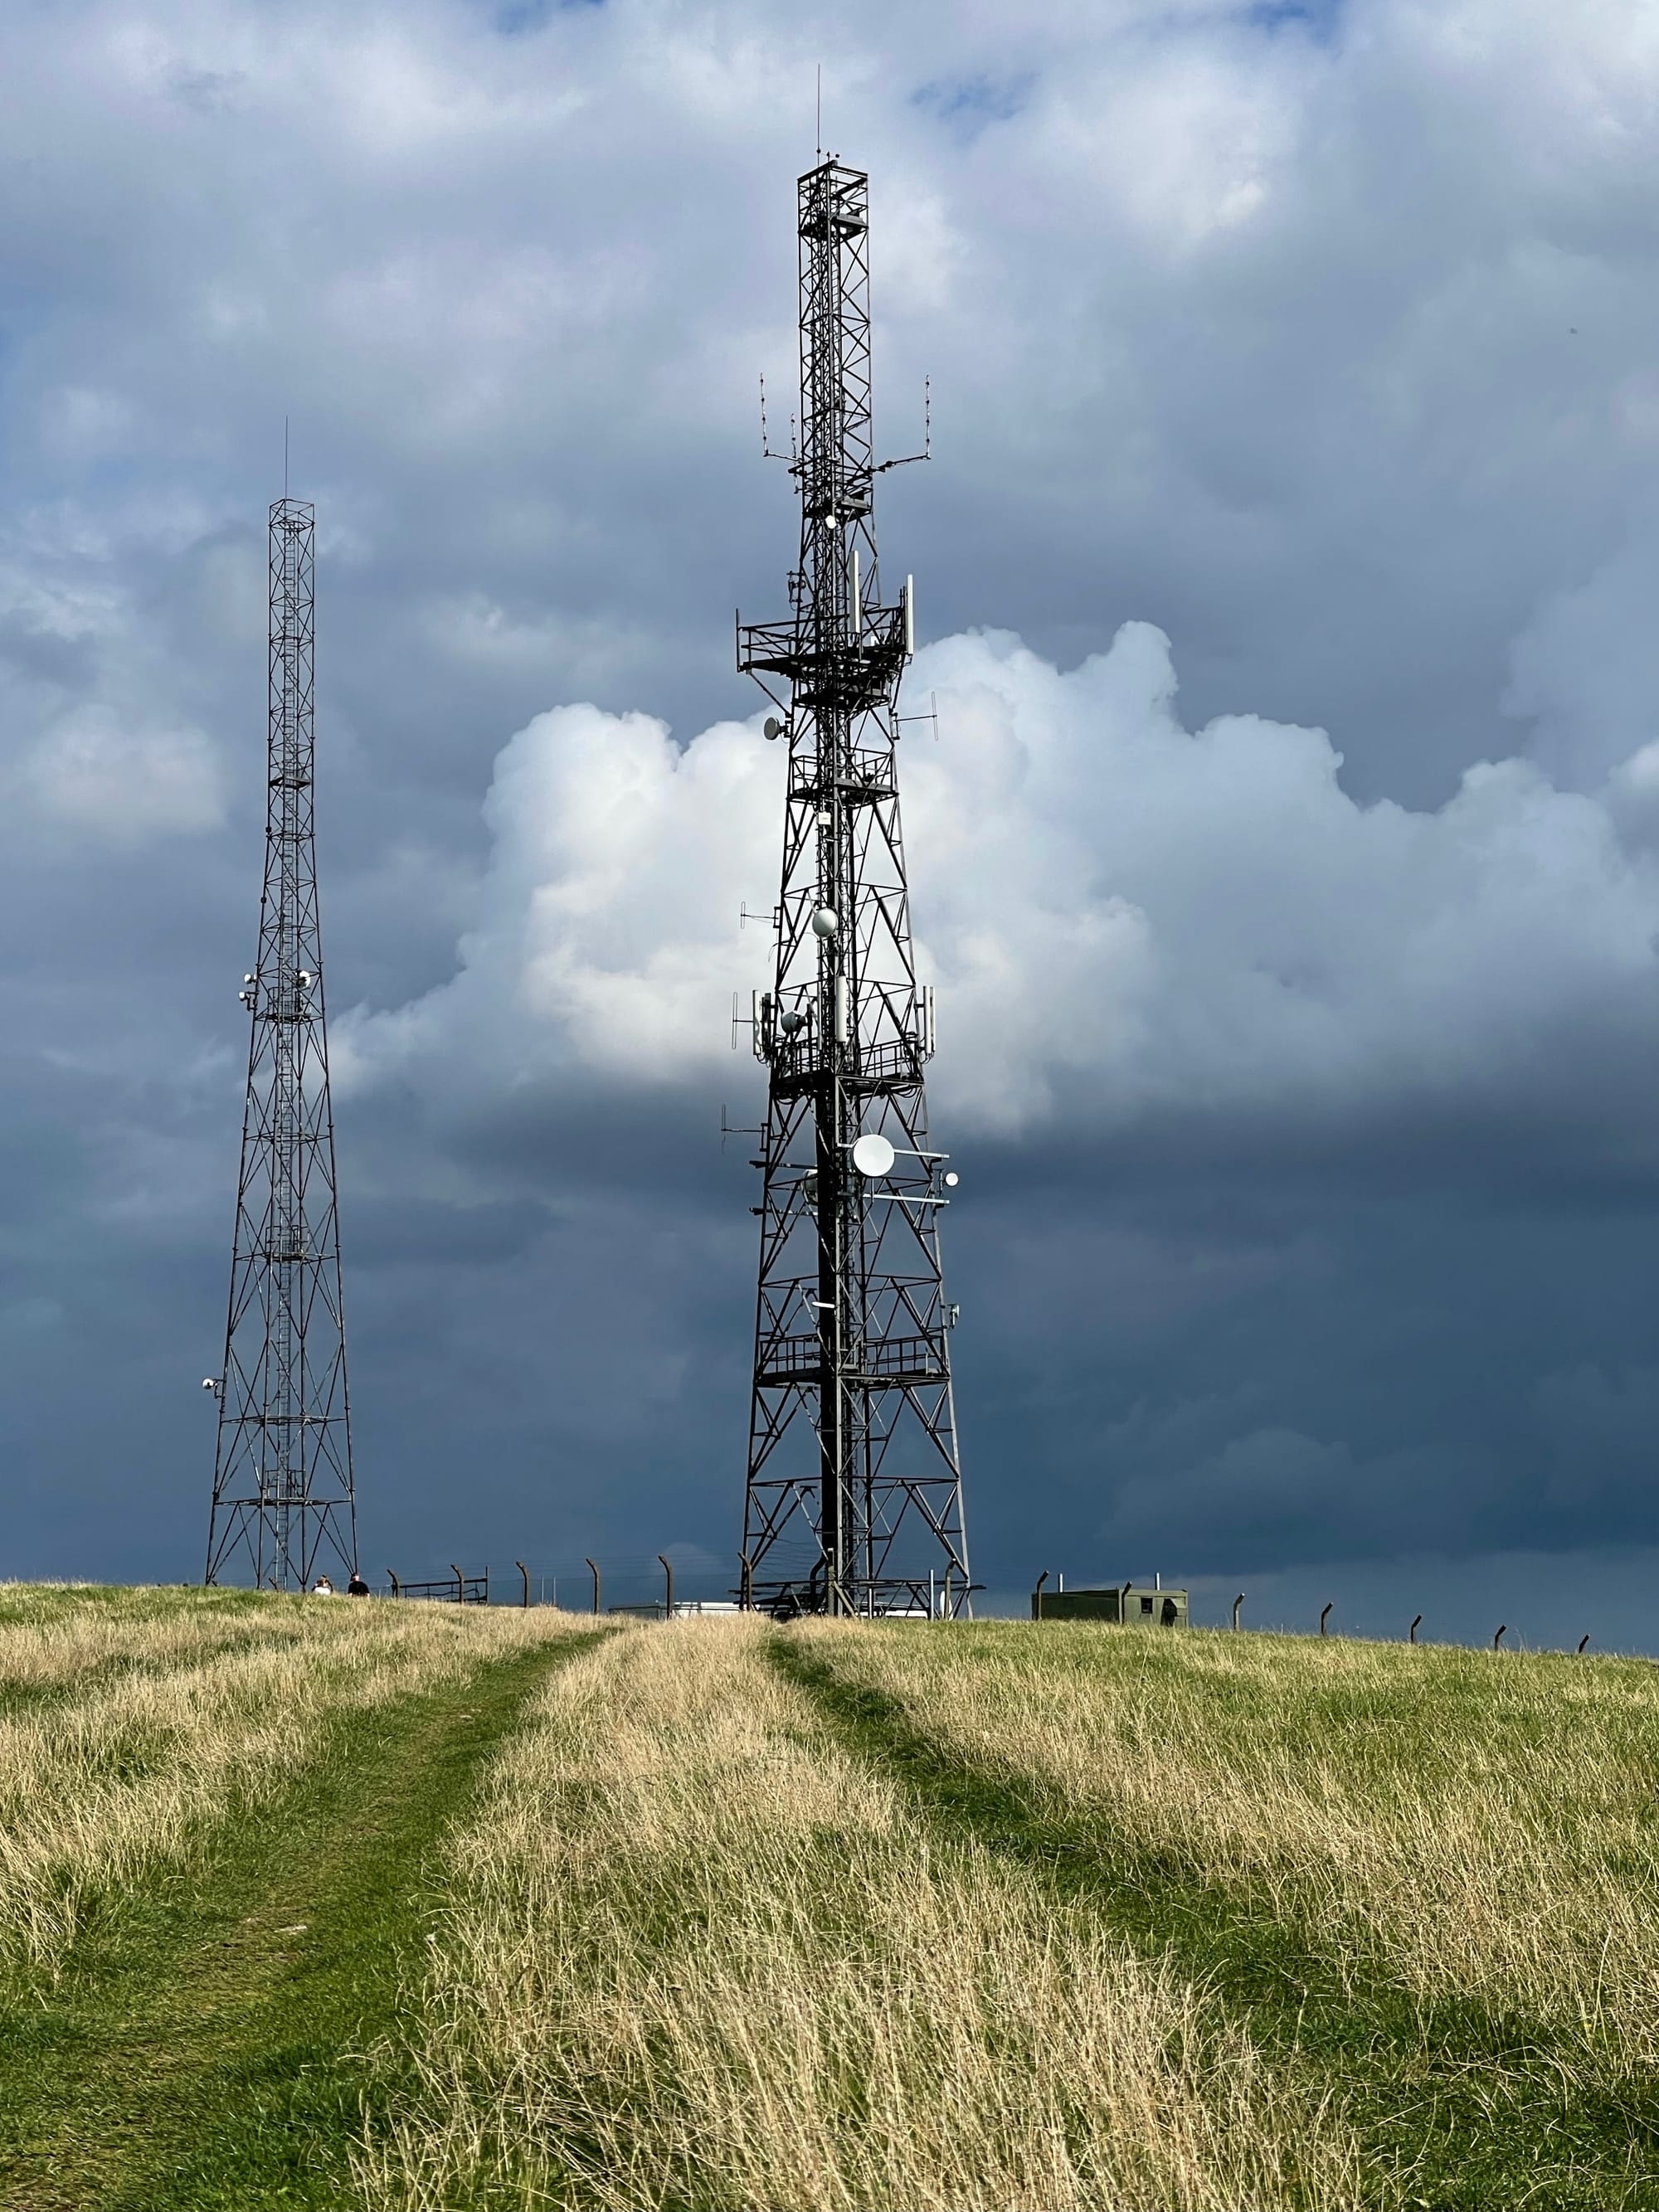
356	1587
322	1587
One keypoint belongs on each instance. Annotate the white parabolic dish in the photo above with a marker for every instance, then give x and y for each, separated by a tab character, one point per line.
872	1155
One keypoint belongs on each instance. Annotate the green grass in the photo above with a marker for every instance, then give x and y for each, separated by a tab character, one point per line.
208	1619
1457	2101
500	1932
220	2031
698	1954
40	1604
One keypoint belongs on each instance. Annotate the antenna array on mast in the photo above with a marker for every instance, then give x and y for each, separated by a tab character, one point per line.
853	1501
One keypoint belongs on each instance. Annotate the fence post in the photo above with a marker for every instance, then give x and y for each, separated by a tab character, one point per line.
1237	1604
668	1573
1416	1624
524	1571
595	1573
396	1587
949	1615
1498	1638
1324	1616
460	1583
1036	1594
746	1582
1583	1641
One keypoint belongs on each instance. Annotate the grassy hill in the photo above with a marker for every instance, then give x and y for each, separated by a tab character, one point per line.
391	1906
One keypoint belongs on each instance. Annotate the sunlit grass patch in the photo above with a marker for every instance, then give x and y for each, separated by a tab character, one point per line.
1472	1825
214	1906
213	1709
696	1954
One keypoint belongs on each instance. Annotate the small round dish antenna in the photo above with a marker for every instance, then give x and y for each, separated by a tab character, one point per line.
771	728
872	1155
952	1179
824	922
791	1023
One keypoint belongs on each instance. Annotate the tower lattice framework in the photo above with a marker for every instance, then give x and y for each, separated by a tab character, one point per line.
283	1507
853	1501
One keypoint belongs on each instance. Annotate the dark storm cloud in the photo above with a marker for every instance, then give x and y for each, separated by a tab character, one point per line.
1309	1184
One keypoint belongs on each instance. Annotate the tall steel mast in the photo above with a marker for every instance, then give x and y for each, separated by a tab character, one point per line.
854	1486
283	1506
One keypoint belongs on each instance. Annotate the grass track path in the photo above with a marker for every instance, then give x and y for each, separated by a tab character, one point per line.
208	2046
1468	2104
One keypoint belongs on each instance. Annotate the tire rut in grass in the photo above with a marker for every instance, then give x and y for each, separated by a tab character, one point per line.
212	2044
1458	2108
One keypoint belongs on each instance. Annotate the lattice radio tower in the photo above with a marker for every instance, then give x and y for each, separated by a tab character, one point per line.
283	1508
855	1488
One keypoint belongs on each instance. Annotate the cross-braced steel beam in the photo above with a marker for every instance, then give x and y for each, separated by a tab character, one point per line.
854	1499
283	1507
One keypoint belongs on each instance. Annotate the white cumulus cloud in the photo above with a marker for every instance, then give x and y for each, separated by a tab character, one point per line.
1122	916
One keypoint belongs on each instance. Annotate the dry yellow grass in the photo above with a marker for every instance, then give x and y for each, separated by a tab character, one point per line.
54	1637
97	1786
696	1956
1469	1824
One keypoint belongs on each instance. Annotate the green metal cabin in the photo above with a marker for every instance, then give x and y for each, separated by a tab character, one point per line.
1131	1603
